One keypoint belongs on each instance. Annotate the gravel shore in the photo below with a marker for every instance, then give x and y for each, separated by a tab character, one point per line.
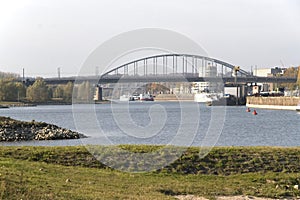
15	130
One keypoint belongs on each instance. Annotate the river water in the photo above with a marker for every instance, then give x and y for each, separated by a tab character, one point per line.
186	124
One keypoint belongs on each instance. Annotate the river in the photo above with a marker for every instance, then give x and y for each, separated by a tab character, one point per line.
186	124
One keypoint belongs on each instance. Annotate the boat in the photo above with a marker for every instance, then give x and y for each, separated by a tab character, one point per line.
146	97
136	97
126	98
227	100
205	97
1	106
298	107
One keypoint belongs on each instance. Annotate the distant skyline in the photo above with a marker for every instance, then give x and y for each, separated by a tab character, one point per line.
42	35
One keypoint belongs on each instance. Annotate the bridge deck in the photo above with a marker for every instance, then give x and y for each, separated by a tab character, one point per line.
116	79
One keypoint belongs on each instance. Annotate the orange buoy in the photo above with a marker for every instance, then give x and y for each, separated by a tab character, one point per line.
248	110
254	112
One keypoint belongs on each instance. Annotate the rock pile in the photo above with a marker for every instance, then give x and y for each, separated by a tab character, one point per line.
14	130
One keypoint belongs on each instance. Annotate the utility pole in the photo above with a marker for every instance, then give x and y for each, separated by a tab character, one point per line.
97	71
23	76
255	70
235	70
18	96
58	72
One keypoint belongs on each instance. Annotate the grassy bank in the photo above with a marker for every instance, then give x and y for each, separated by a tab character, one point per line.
72	173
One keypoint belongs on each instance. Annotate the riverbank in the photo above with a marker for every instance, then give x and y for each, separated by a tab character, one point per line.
73	173
174	97
276	103
8	104
272	107
15	130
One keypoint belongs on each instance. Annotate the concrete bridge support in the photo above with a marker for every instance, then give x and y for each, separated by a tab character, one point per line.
98	93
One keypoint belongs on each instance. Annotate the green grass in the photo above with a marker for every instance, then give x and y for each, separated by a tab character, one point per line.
41	173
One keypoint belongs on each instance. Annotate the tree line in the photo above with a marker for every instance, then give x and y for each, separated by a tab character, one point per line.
11	89
291	72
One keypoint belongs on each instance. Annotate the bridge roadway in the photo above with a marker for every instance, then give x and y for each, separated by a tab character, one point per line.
179	78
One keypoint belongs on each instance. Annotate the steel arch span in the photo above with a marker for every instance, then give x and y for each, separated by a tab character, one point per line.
172	65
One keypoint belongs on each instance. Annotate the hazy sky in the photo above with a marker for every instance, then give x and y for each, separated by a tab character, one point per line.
41	35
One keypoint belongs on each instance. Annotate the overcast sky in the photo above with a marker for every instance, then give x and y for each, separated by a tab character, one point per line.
42	35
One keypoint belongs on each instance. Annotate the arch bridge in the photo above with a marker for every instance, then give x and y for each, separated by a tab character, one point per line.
172	68
182	67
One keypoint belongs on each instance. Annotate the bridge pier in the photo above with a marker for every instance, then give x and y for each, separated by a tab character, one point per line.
98	93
